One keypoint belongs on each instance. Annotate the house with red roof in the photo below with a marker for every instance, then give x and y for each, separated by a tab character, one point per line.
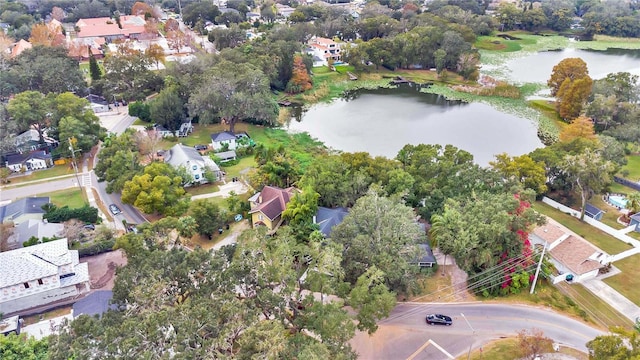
268	205
131	27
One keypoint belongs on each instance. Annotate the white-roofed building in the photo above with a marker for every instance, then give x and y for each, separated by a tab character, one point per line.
39	275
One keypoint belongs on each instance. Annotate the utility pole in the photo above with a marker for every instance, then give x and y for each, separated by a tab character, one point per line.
474	332
535	278
75	164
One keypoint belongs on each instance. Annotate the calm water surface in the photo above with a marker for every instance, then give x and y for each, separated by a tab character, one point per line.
381	122
538	67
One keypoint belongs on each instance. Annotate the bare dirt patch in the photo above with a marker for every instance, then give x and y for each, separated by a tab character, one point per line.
102	268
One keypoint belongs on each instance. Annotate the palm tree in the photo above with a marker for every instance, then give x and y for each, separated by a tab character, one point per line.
633	203
443	232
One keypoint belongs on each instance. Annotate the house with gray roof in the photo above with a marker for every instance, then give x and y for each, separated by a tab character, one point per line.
223	139
327	218
23	209
39	275
635	220
96	303
426	258
35	160
34	228
593	212
195	164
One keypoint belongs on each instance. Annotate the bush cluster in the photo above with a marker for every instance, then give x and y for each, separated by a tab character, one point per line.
86	213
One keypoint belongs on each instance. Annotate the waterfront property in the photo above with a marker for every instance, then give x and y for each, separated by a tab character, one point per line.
40	275
268	205
574	258
195	164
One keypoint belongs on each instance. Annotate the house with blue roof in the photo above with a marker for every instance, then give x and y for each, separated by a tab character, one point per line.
593	212
327	218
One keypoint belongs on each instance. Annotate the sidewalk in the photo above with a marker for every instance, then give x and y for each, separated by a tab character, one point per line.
613	298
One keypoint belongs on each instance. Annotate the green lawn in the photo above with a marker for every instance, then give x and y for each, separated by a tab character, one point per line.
596	309
598	238
74	197
202	189
234	171
633	168
58	170
627	282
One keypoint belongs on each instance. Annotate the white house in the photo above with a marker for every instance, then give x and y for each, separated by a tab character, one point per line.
32	161
570	254
39	275
30	140
196	164
324	49
223	139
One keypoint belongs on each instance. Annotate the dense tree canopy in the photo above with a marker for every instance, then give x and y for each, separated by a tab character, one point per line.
157	190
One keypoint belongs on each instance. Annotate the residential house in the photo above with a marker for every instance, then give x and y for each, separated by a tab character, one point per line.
593	212
225	156
327	218
225	140
284	10
195	164
98	103
19	47
427	260
163	131
39	275
253	17
83	49
131	27
575	258
30	141
185	129
635	220
324	49
34	228
23	210
35	160
268	205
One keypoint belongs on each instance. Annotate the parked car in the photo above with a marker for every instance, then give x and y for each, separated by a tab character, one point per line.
115	210
89	227
439	319
201	147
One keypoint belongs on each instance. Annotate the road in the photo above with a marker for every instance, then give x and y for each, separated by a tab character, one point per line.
116	123
404	332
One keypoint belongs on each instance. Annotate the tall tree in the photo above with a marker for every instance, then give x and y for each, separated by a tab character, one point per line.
94	68
570	68
158	190
620	344
572	96
588	173
232	93
127	74
380	232
580	128
523	170
167	109
208	217
47	69
300	80
29	109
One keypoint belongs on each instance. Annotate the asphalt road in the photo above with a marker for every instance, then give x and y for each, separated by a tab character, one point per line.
404	332
12	193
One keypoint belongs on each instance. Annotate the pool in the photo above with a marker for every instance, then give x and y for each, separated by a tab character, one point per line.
618	201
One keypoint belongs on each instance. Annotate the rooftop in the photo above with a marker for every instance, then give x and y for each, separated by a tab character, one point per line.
33	262
272	201
30	205
575	253
548	232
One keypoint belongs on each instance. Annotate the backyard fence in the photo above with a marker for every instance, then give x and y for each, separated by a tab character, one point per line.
627	183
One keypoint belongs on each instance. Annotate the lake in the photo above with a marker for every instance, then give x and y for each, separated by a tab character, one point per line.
537	67
382	121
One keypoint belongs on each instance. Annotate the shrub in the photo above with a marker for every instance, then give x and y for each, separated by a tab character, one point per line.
141	110
97	248
87	214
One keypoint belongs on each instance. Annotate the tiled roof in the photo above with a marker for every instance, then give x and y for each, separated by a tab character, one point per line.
574	253
548	232
19	47
33	262
272	201
30	205
105	26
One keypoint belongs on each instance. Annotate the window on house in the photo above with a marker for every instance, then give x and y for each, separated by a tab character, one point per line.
26	285
195	167
260	217
40	282
197	177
